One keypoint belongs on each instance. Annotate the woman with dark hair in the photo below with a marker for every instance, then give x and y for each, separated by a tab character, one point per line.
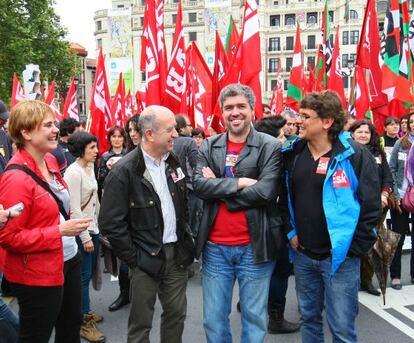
117	141
83	190
363	131
198	136
42	262
132	132
400	219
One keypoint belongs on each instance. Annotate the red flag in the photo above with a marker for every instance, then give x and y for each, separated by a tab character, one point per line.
129	106
100	113
118	104
311	84
70	110
17	92
361	97
162	49
200	85
368	53
276	103
140	98
297	83
335	82
150	63
221	66
50	100
174	95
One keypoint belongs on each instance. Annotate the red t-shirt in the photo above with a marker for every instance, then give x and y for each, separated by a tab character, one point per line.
230	228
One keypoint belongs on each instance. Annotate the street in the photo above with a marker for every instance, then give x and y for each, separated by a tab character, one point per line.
392	323
376	323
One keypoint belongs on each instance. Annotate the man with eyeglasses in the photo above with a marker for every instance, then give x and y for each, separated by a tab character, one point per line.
334	201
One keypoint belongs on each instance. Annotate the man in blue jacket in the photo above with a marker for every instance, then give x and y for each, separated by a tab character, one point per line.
334	203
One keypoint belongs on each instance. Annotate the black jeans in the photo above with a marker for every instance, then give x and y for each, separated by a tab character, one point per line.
41	308
279	281
400	224
70	317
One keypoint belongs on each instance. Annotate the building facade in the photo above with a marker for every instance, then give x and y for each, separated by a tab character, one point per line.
277	18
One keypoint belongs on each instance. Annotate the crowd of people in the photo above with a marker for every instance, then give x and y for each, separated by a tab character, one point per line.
298	194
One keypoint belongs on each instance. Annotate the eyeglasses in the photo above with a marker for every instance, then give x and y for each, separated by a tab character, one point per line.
267	112
306	116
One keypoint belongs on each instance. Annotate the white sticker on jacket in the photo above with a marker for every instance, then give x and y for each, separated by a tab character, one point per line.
402	156
178	176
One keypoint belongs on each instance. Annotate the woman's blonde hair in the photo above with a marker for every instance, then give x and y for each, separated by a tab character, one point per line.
27	115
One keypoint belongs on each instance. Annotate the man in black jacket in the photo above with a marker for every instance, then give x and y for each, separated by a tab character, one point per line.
238	175
144	215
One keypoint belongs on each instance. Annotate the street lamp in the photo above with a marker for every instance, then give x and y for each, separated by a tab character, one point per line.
347	72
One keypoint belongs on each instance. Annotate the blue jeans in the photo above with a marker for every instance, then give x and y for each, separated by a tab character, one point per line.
316	289
9	323
88	267
222	265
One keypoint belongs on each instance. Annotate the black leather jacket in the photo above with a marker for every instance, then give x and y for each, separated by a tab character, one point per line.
260	159
130	214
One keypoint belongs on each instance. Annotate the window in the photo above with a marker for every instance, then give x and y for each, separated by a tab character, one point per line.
290	20
289	61
345	38
143	77
382	6
311	42
174	18
353	14
354	37
331	16
192	17
273	65
345	81
192	36
311	61
274	44
99	43
348	57
120	6
285	84
311	18
98	25
141	21
275	20
273	84
289	43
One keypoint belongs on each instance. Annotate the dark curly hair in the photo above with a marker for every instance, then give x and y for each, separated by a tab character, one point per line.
326	104
270	125
374	143
78	142
67	126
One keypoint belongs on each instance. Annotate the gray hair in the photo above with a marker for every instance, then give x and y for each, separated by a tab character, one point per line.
289	113
236	89
147	120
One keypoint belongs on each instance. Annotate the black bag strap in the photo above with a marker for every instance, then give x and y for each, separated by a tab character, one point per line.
42	184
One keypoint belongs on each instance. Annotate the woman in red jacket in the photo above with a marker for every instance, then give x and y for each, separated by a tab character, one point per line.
35	242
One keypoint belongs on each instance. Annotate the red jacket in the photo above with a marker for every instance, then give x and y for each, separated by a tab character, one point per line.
33	244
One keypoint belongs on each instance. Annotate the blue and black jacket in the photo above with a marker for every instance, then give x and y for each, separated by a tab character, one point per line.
351	197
